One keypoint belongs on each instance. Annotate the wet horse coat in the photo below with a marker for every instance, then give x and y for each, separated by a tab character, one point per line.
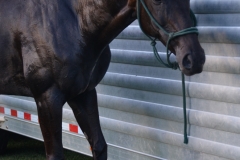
57	51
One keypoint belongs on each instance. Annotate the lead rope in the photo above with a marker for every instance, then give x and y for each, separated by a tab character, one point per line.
169	64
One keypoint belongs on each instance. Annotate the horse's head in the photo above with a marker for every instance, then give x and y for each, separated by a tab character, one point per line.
173	16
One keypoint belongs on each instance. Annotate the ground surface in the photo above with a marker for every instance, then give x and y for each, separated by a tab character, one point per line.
23	148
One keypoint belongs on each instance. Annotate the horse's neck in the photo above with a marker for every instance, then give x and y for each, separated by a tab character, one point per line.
93	14
102	20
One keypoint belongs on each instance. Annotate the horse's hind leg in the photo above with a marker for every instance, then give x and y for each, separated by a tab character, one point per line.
49	106
85	109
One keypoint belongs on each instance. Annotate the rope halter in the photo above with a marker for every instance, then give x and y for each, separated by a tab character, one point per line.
169	64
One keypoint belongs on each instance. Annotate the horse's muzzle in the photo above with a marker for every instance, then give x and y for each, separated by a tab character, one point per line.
191	65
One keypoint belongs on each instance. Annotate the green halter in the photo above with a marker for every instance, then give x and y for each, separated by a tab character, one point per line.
169	64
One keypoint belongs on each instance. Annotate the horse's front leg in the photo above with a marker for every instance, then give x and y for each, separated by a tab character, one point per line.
49	105
85	109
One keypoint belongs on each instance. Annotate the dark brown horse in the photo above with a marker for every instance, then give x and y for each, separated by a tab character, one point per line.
57	51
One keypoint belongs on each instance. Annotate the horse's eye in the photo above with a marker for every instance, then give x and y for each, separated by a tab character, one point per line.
157	1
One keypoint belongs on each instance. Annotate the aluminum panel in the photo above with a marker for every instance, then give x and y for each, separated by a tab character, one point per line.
140	101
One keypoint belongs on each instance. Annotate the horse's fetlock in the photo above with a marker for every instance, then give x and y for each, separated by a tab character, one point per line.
100	151
55	157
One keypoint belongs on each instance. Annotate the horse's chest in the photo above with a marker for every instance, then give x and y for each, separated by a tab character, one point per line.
80	75
100	68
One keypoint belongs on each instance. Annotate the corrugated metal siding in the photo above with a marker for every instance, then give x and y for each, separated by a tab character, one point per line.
141	101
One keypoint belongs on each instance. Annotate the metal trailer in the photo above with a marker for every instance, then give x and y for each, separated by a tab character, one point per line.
140	101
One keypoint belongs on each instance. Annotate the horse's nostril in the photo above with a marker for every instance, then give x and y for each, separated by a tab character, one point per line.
187	61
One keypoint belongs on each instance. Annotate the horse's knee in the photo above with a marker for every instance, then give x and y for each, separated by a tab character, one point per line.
100	150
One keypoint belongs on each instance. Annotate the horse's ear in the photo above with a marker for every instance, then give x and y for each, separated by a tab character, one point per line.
193	17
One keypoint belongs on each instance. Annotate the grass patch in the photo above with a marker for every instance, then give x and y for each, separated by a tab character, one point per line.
24	148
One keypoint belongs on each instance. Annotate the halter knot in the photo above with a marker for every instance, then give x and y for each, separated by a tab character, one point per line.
175	65
171	35
153	43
